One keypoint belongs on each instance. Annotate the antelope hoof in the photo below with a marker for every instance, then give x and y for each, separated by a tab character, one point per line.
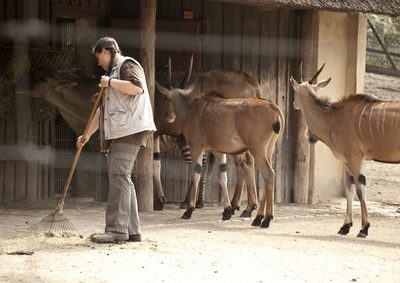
345	229
183	205
199	204
257	221
227	214
266	221
363	232
160	203
245	214
188	213
233	208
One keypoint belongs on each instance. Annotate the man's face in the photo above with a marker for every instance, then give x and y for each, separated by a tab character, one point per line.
103	58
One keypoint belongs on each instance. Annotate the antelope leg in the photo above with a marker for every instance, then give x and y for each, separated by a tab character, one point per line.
249	173
348	220
223	181
159	198
196	171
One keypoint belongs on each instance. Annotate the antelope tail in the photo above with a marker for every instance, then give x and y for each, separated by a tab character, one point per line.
279	123
276	127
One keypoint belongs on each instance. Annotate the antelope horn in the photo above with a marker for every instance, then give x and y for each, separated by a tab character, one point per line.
169	73
301	71
313	80
185	81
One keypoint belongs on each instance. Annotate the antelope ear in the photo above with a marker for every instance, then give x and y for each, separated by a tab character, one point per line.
190	88
161	89
293	82
66	85
322	84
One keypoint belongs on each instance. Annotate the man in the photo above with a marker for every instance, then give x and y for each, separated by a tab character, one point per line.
125	120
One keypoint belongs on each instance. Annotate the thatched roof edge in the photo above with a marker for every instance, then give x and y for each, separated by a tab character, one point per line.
383	7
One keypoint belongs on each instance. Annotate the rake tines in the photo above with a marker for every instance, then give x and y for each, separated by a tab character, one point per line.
54	222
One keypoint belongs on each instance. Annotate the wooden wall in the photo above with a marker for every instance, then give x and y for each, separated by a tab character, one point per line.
252	39
260	42
26	167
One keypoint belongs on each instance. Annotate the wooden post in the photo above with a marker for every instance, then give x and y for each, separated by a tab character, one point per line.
308	52
144	161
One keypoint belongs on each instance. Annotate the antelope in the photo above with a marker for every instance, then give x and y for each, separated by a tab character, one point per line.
230	84
357	128
211	123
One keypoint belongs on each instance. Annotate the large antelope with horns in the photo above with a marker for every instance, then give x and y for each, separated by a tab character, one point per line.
356	128
229	84
211	123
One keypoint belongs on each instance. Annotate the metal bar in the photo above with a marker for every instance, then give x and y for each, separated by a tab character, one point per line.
372	50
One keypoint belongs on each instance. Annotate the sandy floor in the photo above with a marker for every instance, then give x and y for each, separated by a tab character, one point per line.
301	245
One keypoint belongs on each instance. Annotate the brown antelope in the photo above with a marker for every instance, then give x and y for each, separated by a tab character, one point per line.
356	128
211	123
230	84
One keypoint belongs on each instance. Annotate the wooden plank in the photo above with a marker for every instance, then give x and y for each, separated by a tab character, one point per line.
280	153
95	3
32	180
177	188
175	9
251	41
52	158
2	131
9	181
290	134
39	182
2	14
167	174
45	182
2	163
232	47
11	9
308	53
2	178
197	8
213	194
268	54
31	174
212	41
147	58
20	180
163	8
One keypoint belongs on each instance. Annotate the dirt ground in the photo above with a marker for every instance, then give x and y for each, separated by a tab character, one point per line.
302	244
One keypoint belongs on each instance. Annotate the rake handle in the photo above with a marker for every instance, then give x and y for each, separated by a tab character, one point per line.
78	151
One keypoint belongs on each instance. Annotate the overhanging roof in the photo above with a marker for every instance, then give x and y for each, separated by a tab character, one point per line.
384	7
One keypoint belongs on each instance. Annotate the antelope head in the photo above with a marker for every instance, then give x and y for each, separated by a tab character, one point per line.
170	113
305	88
171	93
42	83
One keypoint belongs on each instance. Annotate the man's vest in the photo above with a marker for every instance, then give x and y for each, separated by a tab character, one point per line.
126	114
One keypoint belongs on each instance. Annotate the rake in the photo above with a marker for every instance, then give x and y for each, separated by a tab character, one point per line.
56	221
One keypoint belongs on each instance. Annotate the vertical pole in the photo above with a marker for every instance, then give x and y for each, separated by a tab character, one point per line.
303	187
144	186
